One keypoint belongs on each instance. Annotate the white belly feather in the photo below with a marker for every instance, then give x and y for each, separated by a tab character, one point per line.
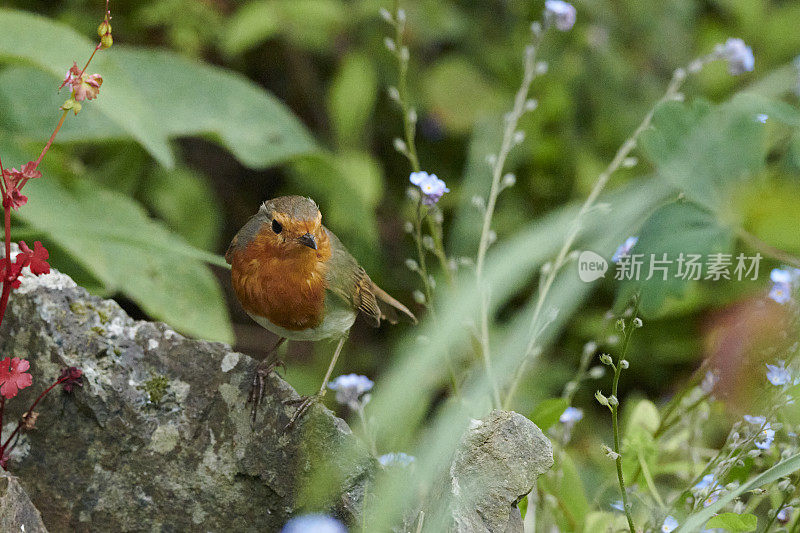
337	323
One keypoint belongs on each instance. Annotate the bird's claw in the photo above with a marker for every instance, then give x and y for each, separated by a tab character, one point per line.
257	388
305	403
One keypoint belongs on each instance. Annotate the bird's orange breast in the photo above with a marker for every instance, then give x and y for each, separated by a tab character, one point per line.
288	289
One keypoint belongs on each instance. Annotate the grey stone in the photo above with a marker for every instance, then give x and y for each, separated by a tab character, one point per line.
495	466
159	437
17	513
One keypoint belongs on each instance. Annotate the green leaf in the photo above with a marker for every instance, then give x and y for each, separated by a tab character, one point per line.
734	522
701	148
784	468
184	199
644	418
112	238
310	24
150	96
352	98
546	414
676	228
569	490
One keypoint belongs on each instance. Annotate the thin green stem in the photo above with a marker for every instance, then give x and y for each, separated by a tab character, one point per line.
410	151
678	77
508	142
615	420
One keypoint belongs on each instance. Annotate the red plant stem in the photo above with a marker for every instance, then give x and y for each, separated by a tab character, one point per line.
7	281
49	143
2	411
3	185
96	48
27	413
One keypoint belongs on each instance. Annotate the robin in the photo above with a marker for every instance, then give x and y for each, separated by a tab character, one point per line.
295	278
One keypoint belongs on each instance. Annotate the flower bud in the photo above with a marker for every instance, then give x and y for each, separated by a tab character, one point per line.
390	45
620	325
605	359
637	322
385	15
624	364
611	454
601	399
104	28
106	41
612	401
427	242
412	265
419	297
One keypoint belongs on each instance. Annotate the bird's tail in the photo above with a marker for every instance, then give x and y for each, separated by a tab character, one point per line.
388	305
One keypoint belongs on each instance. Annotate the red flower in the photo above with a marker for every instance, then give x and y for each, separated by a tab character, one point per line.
15	200
82	88
37	259
29	171
70	377
13	376
10	274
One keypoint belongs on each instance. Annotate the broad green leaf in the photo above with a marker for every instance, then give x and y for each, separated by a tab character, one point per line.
644	417
184	199
696	521
701	148
112	238
773	218
351	99
568	488
734	522
546	414
677	228
150	96
311	24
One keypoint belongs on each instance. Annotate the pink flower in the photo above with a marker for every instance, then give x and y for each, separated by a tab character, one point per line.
15	200
70	377
82	89
36	258
14	376
10	273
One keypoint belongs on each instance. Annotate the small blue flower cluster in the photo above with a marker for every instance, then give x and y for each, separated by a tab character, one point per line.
349	389
738	55
784	282
396	459
432	187
560	14
766	435
314	523
624	249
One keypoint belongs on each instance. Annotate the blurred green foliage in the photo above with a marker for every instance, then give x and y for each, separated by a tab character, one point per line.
148	183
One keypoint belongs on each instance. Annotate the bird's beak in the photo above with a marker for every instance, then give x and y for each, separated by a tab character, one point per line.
308	240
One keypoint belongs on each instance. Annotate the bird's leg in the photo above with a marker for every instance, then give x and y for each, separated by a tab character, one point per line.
263	370
308	401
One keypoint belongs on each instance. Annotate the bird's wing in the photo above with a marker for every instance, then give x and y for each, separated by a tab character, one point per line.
348	280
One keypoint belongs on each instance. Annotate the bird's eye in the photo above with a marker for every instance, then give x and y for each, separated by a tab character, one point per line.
276	226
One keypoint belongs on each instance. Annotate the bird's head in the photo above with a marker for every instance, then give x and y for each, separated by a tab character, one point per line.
295	225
